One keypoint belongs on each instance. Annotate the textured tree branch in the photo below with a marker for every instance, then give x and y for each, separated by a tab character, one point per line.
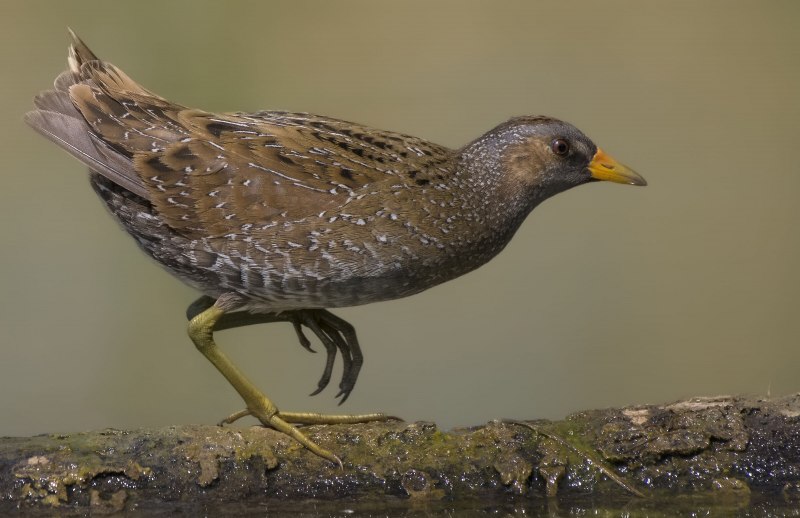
731	447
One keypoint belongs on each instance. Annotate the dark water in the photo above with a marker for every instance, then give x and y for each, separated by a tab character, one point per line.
655	508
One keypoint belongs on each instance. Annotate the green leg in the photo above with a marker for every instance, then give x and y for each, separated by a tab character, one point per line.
335	334
201	329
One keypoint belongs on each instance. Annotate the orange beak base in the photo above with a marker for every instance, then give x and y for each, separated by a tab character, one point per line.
604	167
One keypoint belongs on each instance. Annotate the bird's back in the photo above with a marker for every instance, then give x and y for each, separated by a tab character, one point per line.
289	209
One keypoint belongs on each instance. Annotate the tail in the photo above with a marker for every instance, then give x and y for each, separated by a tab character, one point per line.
78	54
102	117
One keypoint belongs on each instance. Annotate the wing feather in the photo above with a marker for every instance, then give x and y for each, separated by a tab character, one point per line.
202	171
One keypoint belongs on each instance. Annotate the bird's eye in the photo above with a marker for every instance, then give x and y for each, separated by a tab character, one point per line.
560	147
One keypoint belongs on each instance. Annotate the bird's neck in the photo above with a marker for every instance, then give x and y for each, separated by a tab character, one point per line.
490	191
488	208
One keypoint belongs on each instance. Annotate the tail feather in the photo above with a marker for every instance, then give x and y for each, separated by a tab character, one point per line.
71	134
64	80
59	116
55	101
79	53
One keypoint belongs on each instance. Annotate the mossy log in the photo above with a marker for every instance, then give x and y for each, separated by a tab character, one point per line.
731	447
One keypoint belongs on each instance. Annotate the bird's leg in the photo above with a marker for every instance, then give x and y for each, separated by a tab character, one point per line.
332	331
201	330
198	306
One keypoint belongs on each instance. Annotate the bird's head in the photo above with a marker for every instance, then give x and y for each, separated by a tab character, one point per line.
544	156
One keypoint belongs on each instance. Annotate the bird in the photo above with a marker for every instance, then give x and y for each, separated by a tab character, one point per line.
277	216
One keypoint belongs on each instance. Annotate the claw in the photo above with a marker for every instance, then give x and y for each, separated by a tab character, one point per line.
235	417
345	350
347	335
304	342
326	374
309	321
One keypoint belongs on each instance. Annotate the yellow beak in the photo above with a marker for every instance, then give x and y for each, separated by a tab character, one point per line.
603	167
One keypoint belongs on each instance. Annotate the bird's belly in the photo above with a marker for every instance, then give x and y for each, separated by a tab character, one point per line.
303	266
290	278
292	292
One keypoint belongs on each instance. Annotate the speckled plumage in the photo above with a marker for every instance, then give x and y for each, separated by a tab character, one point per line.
289	213
290	210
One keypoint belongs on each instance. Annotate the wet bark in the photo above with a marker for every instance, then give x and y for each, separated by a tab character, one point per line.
728	447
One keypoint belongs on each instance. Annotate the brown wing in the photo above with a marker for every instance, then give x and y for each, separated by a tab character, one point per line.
208	174
253	168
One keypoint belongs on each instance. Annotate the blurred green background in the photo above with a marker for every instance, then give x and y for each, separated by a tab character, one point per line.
608	295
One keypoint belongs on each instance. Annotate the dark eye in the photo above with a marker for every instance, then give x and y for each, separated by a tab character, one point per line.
560	146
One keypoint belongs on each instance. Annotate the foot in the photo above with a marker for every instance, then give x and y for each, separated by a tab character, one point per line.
335	334
201	329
